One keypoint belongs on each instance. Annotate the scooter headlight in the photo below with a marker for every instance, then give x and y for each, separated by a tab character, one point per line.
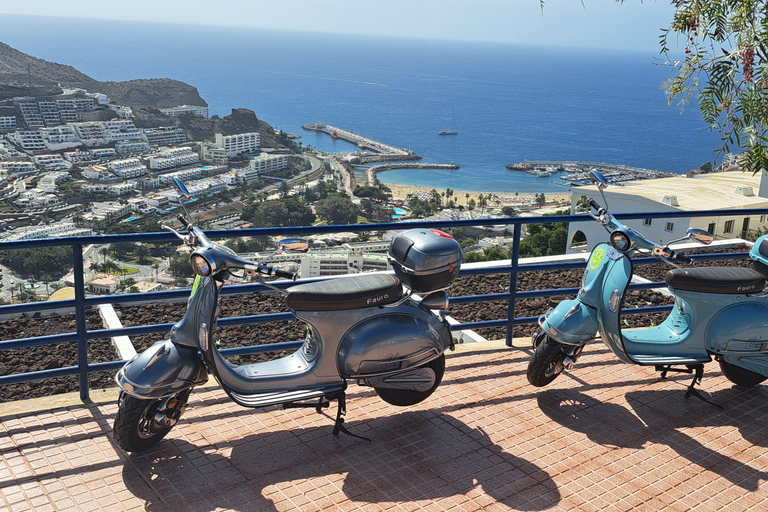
200	265
622	240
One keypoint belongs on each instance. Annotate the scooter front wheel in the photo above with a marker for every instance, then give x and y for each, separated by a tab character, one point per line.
140	424
740	376
406	397
547	362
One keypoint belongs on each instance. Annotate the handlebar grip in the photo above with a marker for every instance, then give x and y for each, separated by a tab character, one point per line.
594	204
183	221
287	275
682	258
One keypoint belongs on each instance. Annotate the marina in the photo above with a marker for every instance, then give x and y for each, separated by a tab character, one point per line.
577	173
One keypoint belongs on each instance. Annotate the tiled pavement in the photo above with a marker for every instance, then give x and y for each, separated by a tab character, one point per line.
607	436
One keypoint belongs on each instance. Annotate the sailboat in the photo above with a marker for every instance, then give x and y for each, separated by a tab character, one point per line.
452	131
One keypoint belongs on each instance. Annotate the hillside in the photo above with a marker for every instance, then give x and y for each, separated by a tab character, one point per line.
22	74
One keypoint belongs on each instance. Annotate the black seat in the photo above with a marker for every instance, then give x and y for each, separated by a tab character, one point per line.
716	280
360	291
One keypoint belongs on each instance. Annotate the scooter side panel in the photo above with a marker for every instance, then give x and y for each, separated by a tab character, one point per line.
162	370
390	343
740	334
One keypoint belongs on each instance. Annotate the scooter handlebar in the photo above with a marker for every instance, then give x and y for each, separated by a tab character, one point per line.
594	204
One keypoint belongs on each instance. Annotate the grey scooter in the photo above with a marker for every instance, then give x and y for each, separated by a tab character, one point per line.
366	328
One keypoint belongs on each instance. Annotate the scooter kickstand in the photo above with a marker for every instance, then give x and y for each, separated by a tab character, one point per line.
699	369
340	412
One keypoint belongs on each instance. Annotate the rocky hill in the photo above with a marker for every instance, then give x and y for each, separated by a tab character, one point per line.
22	74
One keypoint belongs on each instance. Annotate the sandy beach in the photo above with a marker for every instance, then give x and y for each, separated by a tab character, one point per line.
462	197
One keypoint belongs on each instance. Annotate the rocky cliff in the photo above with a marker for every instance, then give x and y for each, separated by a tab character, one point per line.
22	74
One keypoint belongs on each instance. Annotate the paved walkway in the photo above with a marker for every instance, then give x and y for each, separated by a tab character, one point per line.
604	437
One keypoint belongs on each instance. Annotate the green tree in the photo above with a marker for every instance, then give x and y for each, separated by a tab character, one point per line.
337	210
724	70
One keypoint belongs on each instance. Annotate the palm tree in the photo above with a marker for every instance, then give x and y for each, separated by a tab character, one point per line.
46	279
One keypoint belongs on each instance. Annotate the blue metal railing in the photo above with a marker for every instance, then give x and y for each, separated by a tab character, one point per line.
81	302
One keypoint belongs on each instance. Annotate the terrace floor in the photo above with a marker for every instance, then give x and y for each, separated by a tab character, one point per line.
607	436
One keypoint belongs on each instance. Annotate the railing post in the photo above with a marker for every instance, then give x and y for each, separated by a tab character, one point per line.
513	282
82	342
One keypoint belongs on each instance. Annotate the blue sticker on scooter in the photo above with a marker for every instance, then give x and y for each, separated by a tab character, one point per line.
596	258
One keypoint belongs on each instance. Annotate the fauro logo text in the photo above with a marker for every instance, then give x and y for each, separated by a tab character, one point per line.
377	299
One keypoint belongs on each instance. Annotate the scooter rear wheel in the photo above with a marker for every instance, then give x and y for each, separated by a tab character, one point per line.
136	428
547	362
740	376
406	397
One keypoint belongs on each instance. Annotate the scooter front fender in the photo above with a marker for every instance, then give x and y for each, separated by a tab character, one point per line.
571	322
163	370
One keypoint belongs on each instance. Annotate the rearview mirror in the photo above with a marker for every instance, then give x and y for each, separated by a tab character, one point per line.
700	235
182	188
598	179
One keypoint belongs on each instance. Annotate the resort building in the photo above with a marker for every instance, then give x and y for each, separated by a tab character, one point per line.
92	133
60	137
7	122
213	154
186	109
103	152
731	190
49	181
53	162
121	129
28	140
173	157
128	168
132	147
206	186
238	144
340	263
97	173
55	230
192	173
165	136
268	163
19	168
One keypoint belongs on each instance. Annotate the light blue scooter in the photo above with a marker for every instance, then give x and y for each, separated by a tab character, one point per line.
719	312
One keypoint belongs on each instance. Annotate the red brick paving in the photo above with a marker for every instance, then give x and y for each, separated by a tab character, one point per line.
606	436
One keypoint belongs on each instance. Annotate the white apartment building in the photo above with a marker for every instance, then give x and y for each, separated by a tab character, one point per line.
238	144
35	198
19	168
340	263
211	153
52	162
165	135
186	109
111	188
28	140
173	157
30	112
192	173
157	201
103	152
268	163
57	230
731	190
7	122
60	137
77	156
49	181
8	150
97	173
132	147
122	129
205	186
92	133
127	168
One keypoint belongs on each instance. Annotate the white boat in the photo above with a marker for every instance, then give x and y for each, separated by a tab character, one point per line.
452	131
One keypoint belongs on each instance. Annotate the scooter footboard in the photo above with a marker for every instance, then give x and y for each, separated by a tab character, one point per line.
163	370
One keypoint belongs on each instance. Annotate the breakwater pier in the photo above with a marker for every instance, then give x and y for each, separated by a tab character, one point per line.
364	143
371	171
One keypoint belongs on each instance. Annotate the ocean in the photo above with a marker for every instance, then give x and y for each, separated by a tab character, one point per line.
510	103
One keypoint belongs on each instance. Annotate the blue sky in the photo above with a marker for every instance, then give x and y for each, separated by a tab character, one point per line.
633	24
